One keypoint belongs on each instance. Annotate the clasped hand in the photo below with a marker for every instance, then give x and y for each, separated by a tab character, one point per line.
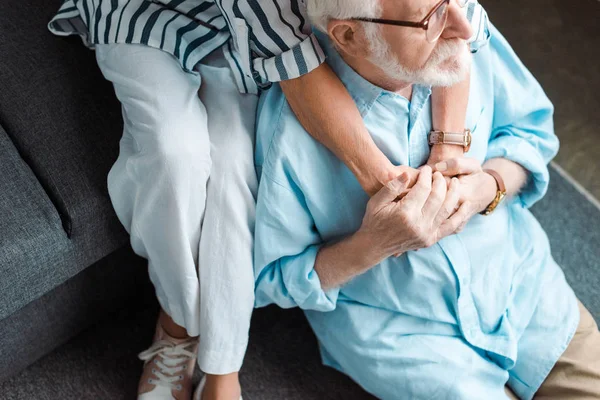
421	207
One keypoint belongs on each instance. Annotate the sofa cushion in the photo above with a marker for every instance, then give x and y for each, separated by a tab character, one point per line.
61	115
29	228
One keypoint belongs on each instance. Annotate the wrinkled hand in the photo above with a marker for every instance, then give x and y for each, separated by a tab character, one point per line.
411	173
477	188
422	218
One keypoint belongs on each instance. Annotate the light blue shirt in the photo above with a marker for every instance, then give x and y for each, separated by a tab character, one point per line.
456	320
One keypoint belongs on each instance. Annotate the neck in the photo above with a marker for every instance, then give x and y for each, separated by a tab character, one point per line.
376	76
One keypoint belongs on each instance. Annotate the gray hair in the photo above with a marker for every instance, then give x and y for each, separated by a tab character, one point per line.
321	12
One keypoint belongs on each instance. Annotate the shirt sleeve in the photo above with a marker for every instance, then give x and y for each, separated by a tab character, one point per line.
286	247
280	37
480	23
523	127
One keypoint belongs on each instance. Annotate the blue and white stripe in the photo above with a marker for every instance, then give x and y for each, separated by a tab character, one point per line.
267	41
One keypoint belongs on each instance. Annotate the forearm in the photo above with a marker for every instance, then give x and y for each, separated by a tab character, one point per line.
449	106
449	109
338	263
513	174
326	110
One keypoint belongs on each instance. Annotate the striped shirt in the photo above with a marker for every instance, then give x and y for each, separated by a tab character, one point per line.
264	41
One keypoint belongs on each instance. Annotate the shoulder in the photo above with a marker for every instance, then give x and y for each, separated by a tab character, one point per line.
282	144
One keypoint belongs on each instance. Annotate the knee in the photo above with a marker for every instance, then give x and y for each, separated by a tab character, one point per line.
184	155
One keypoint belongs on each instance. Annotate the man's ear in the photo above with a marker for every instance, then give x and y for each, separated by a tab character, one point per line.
346	36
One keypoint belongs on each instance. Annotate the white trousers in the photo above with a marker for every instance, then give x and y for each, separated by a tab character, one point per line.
184	186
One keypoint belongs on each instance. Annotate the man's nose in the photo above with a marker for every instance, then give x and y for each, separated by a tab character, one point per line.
458	25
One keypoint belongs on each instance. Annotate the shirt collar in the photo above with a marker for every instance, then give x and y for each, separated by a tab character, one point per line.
363	92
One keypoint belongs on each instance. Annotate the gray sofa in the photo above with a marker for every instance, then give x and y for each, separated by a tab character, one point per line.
65	261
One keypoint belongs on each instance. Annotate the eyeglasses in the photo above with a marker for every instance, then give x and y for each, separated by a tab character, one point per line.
433	23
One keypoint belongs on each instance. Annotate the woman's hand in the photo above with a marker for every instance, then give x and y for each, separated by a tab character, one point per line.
458	166
385	173
411	174
444	152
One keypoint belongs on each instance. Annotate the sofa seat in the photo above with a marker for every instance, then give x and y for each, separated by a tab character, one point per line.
61	128
30	226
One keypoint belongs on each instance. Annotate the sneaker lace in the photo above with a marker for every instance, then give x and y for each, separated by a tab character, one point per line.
172	359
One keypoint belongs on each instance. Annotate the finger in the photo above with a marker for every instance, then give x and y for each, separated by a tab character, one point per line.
420	192
458	166
460	218
391	190
450	204
436	197
403	194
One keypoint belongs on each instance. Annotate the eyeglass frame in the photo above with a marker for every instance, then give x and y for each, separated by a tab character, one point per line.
423	24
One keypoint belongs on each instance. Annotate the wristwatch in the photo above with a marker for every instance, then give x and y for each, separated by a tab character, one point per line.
460	139
500	194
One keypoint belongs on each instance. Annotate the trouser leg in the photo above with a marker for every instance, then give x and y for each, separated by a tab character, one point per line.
226	244
576	375
158	183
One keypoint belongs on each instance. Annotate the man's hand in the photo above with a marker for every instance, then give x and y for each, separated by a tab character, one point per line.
477	188
391	226
419	220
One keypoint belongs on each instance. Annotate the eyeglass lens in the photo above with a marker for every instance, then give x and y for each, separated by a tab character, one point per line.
437	23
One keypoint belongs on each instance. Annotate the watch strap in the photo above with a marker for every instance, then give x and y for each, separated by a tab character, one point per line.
455	138
500	192
498	178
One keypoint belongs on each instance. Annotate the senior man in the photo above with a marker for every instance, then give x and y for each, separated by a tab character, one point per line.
481	305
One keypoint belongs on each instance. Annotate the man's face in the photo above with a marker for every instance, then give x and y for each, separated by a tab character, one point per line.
404	54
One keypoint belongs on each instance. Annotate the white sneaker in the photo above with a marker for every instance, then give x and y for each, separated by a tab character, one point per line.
200	388
168	368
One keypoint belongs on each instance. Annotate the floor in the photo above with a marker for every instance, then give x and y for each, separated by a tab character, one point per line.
282	362
101	363
559	41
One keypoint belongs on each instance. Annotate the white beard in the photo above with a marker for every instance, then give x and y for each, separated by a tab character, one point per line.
432	73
